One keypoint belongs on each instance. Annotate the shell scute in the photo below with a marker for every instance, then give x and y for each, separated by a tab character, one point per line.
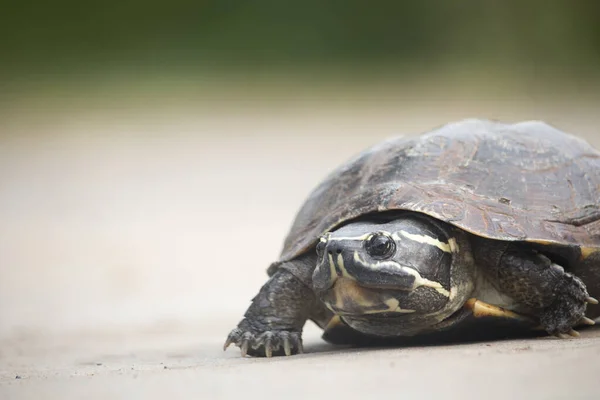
526	181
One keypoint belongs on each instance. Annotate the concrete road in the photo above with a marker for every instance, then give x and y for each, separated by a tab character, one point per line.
133	238
174	366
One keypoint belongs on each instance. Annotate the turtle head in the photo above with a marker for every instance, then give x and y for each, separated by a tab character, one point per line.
394	278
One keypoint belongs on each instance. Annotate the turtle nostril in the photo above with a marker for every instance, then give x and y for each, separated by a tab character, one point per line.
333	251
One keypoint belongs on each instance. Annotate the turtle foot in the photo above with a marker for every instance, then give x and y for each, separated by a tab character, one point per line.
568	310
266	343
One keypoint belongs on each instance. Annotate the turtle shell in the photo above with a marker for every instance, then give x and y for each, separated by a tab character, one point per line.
521	182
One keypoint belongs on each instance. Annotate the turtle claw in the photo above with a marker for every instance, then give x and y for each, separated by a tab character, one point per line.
268	351
562	336
268	348
244	347
573	333
587	321
286	347
591	300
265	344
233	337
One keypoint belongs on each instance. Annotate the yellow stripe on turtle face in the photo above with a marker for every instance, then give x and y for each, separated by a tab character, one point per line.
351	296
357	238
419	280
332	272
340	262
393	306
445	247
340	265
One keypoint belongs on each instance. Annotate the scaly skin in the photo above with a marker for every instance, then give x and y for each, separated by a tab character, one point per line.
557	297
273	323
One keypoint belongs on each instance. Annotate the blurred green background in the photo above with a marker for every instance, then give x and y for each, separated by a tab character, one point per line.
346	39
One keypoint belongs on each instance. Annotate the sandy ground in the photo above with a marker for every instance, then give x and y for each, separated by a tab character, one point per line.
133	238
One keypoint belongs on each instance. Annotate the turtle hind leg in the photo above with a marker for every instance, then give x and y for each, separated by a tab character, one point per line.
588	270
273	323
559	299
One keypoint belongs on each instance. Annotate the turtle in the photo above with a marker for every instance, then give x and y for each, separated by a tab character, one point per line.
417	234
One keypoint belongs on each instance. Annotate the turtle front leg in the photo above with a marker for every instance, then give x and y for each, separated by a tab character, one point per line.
558	298
273	323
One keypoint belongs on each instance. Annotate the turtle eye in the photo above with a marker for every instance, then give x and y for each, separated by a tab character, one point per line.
321	248
380	246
